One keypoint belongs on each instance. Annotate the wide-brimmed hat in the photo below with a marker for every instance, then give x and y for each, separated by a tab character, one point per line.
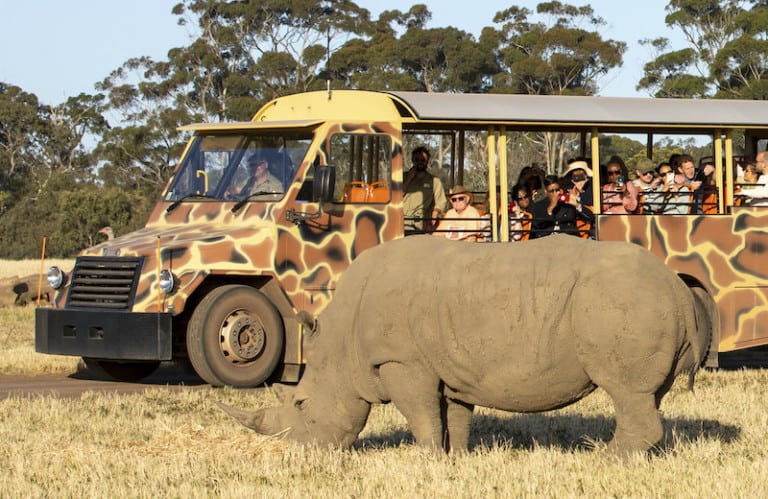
459	189
579	165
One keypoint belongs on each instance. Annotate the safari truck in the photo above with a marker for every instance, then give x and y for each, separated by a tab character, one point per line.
222	267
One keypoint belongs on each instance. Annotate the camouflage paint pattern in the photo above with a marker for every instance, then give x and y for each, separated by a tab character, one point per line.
727	254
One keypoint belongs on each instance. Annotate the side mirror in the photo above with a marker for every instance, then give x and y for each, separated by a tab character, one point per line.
324	184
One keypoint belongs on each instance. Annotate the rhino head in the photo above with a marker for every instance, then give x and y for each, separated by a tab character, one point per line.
325	408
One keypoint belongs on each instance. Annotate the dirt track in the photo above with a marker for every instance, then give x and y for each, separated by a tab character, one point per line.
74	385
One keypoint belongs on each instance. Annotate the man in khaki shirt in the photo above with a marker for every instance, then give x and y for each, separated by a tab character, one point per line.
423	194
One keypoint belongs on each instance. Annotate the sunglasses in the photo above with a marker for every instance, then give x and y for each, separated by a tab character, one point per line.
579	177
648	173
459	198
614	172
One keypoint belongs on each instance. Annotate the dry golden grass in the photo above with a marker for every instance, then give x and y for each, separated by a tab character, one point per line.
176	444
167	443
17	346
11	268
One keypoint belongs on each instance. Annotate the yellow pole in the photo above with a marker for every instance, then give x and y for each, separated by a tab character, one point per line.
729	180
492	183
504	186
595	146
159	268
40	276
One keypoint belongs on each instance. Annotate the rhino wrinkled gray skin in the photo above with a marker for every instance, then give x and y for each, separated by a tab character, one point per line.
437	327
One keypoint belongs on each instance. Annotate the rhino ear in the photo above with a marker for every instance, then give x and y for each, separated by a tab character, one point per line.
308	322
284	393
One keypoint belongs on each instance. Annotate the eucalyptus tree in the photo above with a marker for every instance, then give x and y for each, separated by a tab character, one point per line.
402	53
726	55
708	27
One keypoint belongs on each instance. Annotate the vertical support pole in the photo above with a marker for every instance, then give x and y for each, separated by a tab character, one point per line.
504	186
40	276
492	184
594	146
159	268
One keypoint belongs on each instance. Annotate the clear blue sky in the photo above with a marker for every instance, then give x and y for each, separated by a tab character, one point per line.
57	48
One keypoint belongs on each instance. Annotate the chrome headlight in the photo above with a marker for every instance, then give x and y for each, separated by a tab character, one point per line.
167	281
56	277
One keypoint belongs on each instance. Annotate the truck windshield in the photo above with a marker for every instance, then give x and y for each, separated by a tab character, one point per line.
232	167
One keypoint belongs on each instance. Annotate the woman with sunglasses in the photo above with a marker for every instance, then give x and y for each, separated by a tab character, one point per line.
462	222
619	195
520	218
648	186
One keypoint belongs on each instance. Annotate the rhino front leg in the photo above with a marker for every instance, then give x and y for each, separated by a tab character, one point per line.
416	394
638	424
458	418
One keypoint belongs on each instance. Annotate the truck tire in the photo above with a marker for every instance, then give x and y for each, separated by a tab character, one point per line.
235	337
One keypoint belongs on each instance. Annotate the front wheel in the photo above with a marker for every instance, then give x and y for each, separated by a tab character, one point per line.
235	337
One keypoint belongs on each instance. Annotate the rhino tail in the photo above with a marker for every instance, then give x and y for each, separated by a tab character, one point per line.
701	325
250	419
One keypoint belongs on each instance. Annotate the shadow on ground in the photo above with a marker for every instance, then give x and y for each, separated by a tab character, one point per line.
564	432
169	373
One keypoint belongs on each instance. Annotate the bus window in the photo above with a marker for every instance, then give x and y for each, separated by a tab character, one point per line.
363	167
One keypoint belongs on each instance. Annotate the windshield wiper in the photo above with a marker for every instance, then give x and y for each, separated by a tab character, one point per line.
176	203
240	203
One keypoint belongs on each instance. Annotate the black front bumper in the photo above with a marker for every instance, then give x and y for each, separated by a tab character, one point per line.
103	334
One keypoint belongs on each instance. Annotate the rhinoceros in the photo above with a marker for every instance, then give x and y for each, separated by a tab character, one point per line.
438	326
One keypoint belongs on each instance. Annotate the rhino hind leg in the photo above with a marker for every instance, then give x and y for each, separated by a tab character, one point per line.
456	424
638	423
416	394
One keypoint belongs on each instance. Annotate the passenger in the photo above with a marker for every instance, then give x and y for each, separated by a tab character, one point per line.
619	195
705	198
748	179
580	175
423	194
648	186
521	219
559	212
260	180
532	177
758	196
462	222
668	192
686	184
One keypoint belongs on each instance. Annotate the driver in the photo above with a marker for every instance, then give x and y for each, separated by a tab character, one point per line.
259	178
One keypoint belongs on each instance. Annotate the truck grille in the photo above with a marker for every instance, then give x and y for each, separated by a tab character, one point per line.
104	283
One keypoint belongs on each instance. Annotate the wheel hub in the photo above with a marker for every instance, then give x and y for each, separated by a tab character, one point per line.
242	338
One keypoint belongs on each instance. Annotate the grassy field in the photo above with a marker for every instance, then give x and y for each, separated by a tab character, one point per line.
11	268
177	444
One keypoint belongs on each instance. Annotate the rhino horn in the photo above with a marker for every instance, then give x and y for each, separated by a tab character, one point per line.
250	419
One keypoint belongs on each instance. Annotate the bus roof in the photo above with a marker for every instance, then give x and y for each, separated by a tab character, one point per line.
229	126
585	110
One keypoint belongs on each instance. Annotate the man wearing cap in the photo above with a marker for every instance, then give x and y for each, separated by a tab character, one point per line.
259	180
423	194
462	222
648	186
